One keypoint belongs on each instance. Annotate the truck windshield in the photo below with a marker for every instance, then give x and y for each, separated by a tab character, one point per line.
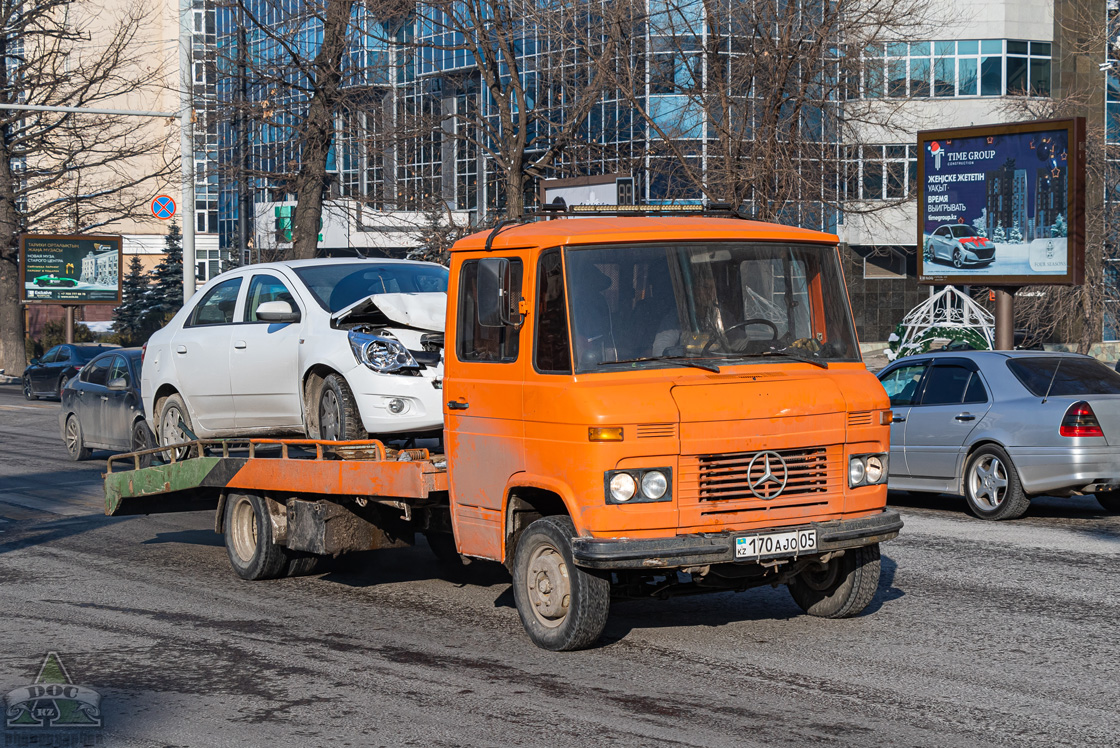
657	305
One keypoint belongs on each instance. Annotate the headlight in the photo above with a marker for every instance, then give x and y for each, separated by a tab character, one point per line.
856	471
623	487
867	470
384	355
654	484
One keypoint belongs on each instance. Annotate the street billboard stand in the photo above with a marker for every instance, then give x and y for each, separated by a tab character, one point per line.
70	271
1002	206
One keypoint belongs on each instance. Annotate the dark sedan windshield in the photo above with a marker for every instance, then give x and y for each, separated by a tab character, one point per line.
338	285
715	301
1074	376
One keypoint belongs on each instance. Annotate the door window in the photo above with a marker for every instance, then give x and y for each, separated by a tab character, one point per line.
50	356
265	288
975	392
96	372
902	384
216	307
119	370
553	351
63	355
946	385
485	344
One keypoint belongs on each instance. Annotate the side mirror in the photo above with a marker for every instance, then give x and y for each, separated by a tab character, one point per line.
120	383
497	306
277	311
34	361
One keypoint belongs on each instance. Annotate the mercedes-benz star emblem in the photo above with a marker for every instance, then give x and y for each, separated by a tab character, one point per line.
772	481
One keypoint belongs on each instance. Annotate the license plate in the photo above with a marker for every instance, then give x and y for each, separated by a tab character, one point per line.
776	544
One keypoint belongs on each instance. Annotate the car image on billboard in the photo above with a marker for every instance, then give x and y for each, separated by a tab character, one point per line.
995	204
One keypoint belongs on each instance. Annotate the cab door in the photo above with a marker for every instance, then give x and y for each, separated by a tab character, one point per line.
484	411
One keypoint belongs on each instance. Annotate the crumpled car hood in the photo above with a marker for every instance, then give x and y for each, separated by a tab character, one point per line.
426	311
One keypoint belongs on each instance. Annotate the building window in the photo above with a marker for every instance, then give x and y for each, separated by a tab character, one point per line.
880	172
970	67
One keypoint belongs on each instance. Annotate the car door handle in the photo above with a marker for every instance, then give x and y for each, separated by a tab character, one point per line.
898	419
181	349
103	397
458	405
239	344
965	417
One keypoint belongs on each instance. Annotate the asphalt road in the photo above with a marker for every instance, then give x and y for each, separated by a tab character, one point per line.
981	634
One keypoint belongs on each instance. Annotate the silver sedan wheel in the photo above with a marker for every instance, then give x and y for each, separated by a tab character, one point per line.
987	482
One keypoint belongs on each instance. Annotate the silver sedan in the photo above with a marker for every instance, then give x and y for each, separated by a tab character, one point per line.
1002	426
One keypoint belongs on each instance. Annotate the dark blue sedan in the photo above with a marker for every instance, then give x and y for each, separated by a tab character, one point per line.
101	407
46	376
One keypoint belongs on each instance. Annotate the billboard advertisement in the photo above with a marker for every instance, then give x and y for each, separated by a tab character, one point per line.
1002	205
70	269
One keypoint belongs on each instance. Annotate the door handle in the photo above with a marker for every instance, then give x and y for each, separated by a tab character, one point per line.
239	344
181	349
965	417
898	419
458	405
103	397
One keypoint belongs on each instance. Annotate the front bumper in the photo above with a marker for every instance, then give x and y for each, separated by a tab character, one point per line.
711	548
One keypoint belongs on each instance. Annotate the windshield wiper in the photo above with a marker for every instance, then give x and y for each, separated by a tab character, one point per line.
683	360
794	353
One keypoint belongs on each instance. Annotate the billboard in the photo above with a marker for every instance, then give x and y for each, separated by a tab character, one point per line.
70	269
603	189
1002	205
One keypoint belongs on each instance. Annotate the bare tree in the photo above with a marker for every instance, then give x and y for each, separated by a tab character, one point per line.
63	172
754	101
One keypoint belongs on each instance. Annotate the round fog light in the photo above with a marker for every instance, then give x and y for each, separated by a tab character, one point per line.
397	406
855	471
623	487
654	484
874	469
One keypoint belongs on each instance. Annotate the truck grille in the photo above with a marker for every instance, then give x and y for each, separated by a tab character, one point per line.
860	418
728	476
656	430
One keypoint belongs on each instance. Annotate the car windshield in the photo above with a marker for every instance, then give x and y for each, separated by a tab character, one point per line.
338	285
648	305
1075	376
962	231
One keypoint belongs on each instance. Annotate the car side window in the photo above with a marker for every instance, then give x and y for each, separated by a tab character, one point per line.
64	354
946	385
265	288
902	384
476	343
975	392
216	307
553	351
119	370
97	372
49	356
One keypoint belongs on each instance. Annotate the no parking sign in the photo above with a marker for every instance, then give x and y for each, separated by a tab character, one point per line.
163	207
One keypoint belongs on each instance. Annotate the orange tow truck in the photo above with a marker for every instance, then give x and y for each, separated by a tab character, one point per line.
636	405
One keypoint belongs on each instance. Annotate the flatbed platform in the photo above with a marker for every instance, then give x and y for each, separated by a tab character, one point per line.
269	466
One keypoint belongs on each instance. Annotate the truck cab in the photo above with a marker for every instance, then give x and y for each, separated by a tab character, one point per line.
632	397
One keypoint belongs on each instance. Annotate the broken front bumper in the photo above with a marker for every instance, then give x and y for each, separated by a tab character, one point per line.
710	548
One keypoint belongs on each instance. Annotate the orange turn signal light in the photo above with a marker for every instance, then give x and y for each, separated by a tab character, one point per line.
885	417
604	434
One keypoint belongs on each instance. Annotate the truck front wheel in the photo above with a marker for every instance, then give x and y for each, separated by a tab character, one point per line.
840	588
252	551
562	606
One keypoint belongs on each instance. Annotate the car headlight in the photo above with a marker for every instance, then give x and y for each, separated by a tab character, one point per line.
867	470
384	355
638	486
623	486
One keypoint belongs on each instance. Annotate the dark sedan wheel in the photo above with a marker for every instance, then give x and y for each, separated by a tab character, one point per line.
141	439
958	261
73	435
27	392
61	385
991	485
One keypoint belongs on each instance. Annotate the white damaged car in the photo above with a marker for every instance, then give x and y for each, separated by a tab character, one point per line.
336	349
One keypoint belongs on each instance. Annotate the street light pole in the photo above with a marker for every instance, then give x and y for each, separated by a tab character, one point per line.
186	122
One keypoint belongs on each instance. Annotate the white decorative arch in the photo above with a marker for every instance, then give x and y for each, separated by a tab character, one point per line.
939	316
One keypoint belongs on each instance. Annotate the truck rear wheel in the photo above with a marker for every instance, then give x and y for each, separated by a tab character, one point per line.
562	606
841	588
252	551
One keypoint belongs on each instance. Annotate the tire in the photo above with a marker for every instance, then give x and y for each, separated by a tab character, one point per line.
339	419
991	485
544	576
72	435
248	532
1109	501
957	261
303	564
444	549
28	393
171	409
842	588
140	439
61	384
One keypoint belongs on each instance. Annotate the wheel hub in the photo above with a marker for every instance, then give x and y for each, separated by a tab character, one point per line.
549	585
